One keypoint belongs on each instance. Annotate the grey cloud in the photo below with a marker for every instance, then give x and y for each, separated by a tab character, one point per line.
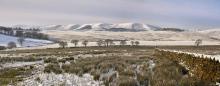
160	12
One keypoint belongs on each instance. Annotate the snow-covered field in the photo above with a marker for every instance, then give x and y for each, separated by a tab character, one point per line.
143	35
4	40
146	34
149	38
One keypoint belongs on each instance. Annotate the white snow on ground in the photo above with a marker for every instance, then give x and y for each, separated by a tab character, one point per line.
60	80
217	57
143	35
68	33
151	65
4	40
19	64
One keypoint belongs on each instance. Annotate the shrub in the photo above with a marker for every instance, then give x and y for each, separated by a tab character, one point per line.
12	45
50	60
127	82
2	47
55	68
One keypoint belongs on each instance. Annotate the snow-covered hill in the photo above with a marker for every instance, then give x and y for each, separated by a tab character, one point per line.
103	27
142	35
26	26
60	27
130	27
4	40
212	33
121	27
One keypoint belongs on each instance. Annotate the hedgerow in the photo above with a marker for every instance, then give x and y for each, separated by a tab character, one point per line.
203	68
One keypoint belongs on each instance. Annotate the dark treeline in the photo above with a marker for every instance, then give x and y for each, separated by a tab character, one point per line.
2	47
20	32
172	29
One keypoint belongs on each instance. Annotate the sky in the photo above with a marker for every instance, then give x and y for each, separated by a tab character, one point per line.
186	14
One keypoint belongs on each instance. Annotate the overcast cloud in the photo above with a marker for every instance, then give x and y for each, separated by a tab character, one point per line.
192	14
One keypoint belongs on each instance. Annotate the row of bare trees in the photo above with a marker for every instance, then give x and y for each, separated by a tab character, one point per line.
105	43
63	44
100	43
109	42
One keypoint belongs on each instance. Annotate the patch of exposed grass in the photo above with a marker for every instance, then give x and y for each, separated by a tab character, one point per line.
13	75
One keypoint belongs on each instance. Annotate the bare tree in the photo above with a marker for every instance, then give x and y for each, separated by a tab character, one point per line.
107	42
12	45
132	43
198	42
75	42
100	43
85	43
63	44
123	42
137	43
21	40
111	43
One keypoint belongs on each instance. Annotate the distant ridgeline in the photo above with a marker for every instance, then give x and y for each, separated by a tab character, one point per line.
20	32
172	29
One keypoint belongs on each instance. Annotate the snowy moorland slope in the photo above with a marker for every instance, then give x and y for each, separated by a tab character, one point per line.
4	40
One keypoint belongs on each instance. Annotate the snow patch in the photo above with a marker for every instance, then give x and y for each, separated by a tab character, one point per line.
65	79
19	64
